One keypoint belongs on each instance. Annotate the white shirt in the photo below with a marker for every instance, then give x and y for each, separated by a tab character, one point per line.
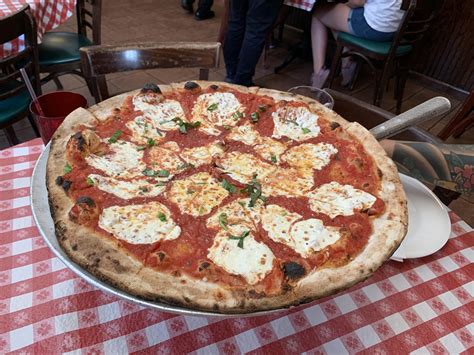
383	15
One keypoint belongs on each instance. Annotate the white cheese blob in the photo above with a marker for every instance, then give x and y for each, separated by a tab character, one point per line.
311	235
139	224
307	155
335	199
201	155
197	194
292	182
142	129
297	123
277	221
165	157
126	189
124	160
160	112
245	134
243	166
217	109
253	261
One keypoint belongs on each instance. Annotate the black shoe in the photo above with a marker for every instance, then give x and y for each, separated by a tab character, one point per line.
187	5
203	15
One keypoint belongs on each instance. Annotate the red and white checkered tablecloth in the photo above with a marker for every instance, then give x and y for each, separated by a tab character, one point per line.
48	14
424	305
306	5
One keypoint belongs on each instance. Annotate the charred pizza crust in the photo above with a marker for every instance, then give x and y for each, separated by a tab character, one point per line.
107	260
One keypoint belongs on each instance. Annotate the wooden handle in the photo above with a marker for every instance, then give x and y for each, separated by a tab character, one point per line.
423	112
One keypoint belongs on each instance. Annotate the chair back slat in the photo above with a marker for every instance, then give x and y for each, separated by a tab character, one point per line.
11	27
98	61
89	16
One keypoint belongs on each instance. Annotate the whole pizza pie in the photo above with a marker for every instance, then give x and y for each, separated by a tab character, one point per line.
223	198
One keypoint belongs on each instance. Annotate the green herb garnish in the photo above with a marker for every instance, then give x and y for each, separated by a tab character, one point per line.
184	126
89	181
143	189
150	142
237	115
262	108
242	203
273	158
244	235
223	220
212	107
254	190
305	130
153	173
229	187
162	217
254	117
67	168
113	138
141	148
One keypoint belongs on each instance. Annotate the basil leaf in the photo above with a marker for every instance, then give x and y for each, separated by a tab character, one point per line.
223	220
143	189
150	142
113	138
229	187
262	108
162	217
212	107
305	130
141	148
236	115
274	159
67	168
89	181
162	173
244	235
148	172
254	190
254	117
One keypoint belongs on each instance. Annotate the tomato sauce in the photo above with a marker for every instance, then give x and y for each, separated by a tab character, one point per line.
188	253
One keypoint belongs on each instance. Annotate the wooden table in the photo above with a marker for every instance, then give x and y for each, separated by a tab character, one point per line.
48	14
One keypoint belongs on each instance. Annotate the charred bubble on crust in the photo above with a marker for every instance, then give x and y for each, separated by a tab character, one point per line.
293	270
80	141
74	247
334	125
59	180
66	185
204	265
151	87
191	85
379	172
87	200
214	87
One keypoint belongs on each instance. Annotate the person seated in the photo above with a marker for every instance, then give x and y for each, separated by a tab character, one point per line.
203	12
376	20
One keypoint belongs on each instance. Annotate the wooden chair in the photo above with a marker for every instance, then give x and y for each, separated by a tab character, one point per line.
97	61
59	51
463	119
394	56
14	97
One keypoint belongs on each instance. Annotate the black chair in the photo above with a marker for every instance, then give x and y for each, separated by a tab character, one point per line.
14	97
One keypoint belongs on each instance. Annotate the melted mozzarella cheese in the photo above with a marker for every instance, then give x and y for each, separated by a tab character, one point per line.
139	224
197	194
297	123
253	261
335	199
217	109
245	134
160	113
277	222
288	182
165	157
311	235
143	129
124	160
238	215
269	148
243	166
313	156
201	155
126	189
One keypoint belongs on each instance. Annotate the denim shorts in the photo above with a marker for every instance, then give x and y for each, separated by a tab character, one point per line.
359	27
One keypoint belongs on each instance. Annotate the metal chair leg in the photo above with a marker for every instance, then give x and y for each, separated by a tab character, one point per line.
335	65
58	83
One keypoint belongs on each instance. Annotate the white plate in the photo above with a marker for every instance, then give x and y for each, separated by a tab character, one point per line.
429	225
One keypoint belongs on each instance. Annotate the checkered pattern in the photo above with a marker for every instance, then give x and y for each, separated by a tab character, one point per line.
48	14
423	305
306	5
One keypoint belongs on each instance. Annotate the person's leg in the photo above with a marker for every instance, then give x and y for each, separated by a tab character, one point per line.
332	16
260	18
234	36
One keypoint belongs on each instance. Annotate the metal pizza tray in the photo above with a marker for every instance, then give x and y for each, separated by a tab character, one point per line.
45	224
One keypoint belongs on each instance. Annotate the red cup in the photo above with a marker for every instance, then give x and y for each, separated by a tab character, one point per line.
55	106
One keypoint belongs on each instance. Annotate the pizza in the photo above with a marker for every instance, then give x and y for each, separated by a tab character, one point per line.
223	198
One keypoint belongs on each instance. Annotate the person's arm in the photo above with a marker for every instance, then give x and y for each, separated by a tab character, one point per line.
355	3
446	165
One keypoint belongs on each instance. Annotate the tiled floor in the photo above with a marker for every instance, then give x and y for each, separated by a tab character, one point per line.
163	20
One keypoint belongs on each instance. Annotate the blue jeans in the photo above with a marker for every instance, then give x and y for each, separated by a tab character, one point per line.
249	23
359	27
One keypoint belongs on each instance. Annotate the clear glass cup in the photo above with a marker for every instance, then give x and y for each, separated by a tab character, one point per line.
55	106
319	95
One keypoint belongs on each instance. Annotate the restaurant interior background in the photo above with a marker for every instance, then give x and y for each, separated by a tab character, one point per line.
446	67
